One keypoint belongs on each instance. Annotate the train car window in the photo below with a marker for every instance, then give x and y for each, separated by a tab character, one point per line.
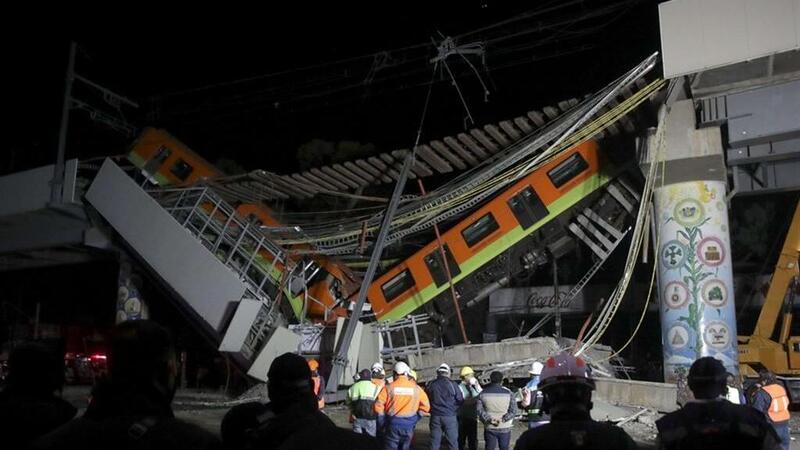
153	164
162	154
181	169
567	170
527	207
401	282
437	269
481	228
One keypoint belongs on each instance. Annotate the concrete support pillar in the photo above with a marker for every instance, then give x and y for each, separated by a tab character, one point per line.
130	304
695	280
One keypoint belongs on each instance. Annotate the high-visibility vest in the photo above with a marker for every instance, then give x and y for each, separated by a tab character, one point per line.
779	406
320	399
402	398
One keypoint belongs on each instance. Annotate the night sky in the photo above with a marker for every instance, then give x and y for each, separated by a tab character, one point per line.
548	51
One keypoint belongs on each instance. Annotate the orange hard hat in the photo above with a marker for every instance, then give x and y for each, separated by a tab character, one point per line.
313	364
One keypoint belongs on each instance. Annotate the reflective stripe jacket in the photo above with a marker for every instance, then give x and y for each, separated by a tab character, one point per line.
532	399
497	403
470	392
400	403
361	399
773	401
319	390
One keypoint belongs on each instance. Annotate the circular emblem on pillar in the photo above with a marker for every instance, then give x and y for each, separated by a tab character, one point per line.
714	293
133	306
717	335
711	252
122	294
673	254
676	294
688	212
678	337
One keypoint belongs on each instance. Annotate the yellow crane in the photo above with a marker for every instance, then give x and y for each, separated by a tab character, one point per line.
763	350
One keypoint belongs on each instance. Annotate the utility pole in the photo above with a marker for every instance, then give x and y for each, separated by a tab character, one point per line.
340	360
57	184
556	299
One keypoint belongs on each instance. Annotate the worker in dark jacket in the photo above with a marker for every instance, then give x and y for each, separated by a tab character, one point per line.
468	411
771	399
292	420
445	397
361	399
712	422
567	389
497	408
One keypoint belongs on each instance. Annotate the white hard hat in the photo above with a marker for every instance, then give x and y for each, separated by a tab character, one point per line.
401	368
443	368
565	368
378	368
536	368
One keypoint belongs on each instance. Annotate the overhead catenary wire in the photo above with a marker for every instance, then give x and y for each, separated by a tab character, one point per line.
603	321
422	54
427	213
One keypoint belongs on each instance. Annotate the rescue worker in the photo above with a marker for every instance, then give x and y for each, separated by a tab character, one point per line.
361	399
771	399
399	407
468	412
292	419
710	421
567	390
412	375
532	398
733	394
319	383
497	408
237	423
445	397
378	375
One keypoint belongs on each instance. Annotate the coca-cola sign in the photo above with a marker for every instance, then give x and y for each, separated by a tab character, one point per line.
535	300
540	300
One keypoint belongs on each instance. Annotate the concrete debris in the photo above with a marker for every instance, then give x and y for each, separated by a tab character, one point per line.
256	393
513	357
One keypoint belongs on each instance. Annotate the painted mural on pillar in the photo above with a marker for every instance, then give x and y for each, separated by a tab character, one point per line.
130	305
695	277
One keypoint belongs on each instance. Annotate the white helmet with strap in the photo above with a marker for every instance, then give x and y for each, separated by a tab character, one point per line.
565	368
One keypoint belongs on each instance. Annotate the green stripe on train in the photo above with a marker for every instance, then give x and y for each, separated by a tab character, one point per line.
497	247
137	160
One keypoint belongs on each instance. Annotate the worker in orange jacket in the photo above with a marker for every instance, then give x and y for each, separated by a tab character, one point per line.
772	400
399	407
319	383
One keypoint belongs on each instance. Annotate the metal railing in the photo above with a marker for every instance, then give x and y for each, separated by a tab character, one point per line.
239	244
